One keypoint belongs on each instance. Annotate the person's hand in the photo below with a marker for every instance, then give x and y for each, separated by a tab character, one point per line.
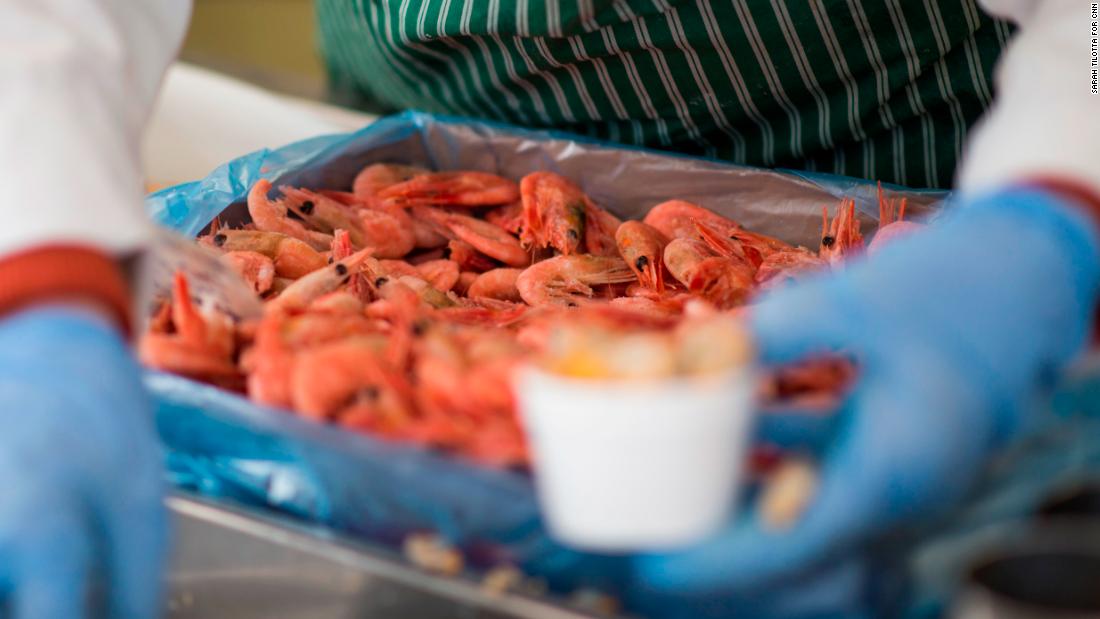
80	470
957	330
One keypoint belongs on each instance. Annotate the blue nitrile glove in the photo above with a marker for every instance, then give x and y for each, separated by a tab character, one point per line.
958	330
80	470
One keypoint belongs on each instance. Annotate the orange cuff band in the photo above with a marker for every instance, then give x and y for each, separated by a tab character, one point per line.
59	272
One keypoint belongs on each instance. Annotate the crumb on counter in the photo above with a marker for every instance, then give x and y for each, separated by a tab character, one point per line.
501	579
431	553
787	492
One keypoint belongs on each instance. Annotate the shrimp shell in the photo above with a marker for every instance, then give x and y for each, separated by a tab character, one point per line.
556	280
271	216
496	284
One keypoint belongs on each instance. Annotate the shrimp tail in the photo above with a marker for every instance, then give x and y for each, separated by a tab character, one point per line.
185	316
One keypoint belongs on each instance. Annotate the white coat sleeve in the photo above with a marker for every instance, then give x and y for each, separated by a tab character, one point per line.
77	83
1044	123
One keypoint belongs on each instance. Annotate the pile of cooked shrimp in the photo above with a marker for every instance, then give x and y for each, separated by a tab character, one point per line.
401	308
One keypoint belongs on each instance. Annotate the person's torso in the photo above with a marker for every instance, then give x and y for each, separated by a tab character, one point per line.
878	89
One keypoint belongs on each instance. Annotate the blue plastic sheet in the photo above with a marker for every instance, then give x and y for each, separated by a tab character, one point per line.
225	446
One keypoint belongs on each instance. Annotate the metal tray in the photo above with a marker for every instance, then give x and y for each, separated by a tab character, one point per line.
229	562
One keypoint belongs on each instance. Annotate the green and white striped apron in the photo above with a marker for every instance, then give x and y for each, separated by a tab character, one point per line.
879	89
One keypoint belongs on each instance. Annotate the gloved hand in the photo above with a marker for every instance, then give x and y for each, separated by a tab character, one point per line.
80	469
958	329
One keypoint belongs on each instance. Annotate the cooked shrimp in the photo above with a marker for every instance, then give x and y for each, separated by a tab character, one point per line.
440	369
271	216
724	281
302	292
453	189
722	241
318	326
169	353
187	319
256	269
209	328
201	345
554	212
483	236
333	376
557	280
280	337
378	176
642	247
292	257
840	239
496	284
390	229
467	371
270	364
441	274
467	257
386	228
323	213
676	219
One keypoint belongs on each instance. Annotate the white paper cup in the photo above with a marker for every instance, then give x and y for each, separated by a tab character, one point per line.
625	465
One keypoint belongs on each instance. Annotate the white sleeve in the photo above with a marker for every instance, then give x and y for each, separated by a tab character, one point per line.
1045	119
1016	11
78	81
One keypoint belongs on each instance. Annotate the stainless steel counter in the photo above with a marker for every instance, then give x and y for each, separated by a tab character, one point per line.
232	563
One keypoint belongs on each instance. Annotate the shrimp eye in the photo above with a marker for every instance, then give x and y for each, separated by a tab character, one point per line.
307	207
381	281
828	241
419	327
220	239
642	262
341	269
330	259
572	234
447	252
370	392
